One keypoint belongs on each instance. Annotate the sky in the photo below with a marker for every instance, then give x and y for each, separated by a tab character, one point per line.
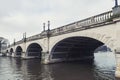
19	16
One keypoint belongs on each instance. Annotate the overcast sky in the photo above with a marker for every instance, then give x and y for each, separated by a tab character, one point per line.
19	16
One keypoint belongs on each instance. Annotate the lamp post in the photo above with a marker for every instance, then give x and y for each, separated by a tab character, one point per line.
48	34
48	25
24	37
0	46
14	42
48	31
116	3
43	26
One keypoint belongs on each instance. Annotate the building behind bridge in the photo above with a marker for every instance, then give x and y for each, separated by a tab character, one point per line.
3	44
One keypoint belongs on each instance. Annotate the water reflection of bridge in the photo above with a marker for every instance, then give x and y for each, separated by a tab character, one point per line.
104	75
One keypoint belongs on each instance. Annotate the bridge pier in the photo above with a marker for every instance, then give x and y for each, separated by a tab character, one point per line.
45	58
8	54
23	55
13	54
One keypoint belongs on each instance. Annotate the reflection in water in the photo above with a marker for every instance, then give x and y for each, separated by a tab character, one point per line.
104	66
101	68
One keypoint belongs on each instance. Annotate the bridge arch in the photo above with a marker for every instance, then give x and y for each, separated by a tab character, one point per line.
34	50
11	51
18	51
75	48
82	46
109	41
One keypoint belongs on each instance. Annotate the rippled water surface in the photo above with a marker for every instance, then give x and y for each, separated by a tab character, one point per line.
101	68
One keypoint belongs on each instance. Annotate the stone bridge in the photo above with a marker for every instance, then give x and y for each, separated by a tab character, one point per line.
74	41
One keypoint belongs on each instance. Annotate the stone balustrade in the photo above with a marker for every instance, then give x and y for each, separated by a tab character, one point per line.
83	24
76	26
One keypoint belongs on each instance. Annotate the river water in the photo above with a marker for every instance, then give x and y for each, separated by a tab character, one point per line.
101	68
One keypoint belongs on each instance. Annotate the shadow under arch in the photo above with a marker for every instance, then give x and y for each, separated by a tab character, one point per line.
18	51
75	48
34	50
11	51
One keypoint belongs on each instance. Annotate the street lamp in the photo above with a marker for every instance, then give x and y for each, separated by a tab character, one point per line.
43	26
116	3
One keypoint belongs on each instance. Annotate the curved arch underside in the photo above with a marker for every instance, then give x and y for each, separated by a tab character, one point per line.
75	48
18	50
34	50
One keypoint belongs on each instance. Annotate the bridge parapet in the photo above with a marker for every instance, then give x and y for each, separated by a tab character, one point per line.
31	38
19	42
91	22
16	43
38	36
84	24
